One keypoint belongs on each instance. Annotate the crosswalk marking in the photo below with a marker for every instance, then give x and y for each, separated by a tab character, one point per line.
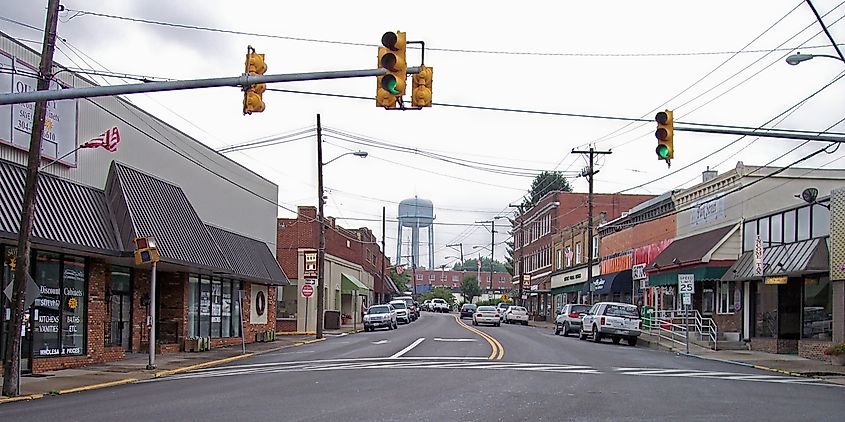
457	363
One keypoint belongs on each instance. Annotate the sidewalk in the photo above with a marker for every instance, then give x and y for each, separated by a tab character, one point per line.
133	367
785	364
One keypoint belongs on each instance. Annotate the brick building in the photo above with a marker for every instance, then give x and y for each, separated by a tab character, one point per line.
215	233
353	264
534	230
431	278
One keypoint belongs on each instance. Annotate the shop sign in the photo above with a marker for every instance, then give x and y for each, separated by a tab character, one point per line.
781	279
737	299
310	270
526	281
598	284
535	287
758	257
708	211
638	272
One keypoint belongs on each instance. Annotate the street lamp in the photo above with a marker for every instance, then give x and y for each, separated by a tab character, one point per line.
799	58
492	245
321	252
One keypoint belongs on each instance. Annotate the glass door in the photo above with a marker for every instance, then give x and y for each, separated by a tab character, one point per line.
120	309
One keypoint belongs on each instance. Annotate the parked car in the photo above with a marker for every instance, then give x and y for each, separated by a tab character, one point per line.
426	305
515	314
568	319
402	313
502	307
468	310
614	320
440	305
413	311
487	315
380	316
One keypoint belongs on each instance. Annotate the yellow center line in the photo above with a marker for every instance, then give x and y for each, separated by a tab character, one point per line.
498	351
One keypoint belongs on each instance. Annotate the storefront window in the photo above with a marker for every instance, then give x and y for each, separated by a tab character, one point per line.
707	300
803	223
47	308
213	308
766	311
817	317
749	235
777	229
821	221
725	293
193	305
789	228
763	230
73	306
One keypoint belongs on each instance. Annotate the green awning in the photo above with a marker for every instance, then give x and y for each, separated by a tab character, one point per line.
572	288
702	273
349	283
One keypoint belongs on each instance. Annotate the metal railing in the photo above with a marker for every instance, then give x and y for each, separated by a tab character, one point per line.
676	325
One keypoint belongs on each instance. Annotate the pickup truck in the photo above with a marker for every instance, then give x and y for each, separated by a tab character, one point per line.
439	305
613	320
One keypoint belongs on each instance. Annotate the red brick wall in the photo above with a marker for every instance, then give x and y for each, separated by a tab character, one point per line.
251	329
285	325
772	345
639	235
813	349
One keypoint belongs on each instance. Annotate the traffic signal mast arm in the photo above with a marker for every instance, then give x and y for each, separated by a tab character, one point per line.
763	133
239	81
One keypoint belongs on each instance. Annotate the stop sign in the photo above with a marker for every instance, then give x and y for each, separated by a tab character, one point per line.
307	290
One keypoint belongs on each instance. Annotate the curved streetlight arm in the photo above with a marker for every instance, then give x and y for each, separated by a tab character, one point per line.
799	58
362	154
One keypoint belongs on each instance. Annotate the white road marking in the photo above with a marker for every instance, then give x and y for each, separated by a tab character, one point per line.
381	342
407	349
457	340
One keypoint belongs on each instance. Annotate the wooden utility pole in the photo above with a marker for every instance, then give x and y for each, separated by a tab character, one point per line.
11	369
590	172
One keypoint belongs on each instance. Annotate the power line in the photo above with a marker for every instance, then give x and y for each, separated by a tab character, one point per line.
447	50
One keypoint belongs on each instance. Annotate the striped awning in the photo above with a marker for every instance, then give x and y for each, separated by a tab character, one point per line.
792	259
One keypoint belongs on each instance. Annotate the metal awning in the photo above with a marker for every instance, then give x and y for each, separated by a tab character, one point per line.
348	284
572	288
693	249
249	258
700	273
617	282
793	259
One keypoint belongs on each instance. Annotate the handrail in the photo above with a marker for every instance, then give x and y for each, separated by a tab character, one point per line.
665	325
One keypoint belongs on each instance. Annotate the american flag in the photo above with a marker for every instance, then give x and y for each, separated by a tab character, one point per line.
108	140
400	269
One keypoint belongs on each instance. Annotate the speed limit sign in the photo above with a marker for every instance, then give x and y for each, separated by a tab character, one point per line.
686	283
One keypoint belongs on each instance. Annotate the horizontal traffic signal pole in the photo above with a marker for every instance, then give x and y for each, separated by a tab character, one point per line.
242	81
763	134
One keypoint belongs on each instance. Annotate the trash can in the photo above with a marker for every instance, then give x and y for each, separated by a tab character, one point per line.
647	315
332	320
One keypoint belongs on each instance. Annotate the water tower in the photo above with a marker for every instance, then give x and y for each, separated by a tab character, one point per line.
416	213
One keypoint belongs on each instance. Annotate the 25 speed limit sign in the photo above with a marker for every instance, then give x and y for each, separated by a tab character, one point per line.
686	284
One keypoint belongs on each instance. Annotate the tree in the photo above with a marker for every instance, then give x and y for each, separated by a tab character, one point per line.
472	265
469	288
400	280
545	182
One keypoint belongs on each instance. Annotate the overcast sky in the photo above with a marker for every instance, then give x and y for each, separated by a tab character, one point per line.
611	58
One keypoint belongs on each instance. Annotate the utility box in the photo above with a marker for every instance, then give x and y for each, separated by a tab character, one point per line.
332	320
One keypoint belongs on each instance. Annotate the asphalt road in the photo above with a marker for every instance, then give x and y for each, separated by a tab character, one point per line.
437	369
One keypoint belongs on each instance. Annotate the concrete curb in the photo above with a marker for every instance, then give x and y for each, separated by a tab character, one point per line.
160	374
750	365
4	400
296	333
97	386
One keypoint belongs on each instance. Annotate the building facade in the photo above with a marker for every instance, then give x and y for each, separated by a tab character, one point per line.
89	302
353	271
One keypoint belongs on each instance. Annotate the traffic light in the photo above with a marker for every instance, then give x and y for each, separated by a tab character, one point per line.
391	86
253	102
421	90
665	131
146	250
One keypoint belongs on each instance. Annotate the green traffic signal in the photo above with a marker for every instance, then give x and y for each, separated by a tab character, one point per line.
662	151
389	83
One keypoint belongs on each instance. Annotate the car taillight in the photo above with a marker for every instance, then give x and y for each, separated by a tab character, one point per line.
602	321
573	315
478	314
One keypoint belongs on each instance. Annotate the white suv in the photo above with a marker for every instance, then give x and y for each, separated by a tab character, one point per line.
439	305
614	320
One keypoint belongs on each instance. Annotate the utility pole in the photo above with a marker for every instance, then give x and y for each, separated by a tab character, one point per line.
321	251
383	250
460	249
11	369
590	172
492	245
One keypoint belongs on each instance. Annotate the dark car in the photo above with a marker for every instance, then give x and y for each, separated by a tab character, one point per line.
467	310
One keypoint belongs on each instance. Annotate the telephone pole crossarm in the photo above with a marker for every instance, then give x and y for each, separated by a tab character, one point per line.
589	173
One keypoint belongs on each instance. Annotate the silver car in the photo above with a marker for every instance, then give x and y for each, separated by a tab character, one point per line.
380	316
568	319
612	319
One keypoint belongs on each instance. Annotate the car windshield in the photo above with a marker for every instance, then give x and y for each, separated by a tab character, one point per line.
378	310
577	309
398	305
469	307
439	301
517	309
622	311
486	309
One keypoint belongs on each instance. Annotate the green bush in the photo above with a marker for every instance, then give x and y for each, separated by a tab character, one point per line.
835	350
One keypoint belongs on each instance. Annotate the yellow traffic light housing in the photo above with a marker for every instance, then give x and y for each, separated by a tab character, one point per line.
421	87
146	251
665	132
253	95
391	57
